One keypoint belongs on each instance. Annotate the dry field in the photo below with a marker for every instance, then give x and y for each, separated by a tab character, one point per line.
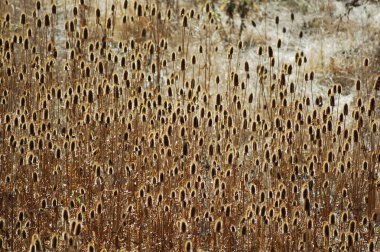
205	125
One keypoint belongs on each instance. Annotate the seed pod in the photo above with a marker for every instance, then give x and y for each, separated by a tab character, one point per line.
250	98
54	242
183	226
270	52
332	219
99	207
23	19
285	228
345	109
357	85
183	65
366	62
236	80
332	101
139	10
260	51
352	226
100	67
47	20
218	226
39	23
326	230
376	86
109	23
230	52
85	33
279	43
65	215
355	135
188	246
299	63
292	88
185	149
72	26
372	104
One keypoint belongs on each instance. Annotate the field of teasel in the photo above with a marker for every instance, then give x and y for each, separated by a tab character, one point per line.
189	125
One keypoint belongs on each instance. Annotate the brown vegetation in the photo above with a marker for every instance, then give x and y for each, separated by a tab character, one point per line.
140	129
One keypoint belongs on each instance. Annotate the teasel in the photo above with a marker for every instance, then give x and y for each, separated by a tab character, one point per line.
77	229
270	52
65	215
109	24
188	246
376	85
36	241
183	64
54	242
357	85
90	247
183	226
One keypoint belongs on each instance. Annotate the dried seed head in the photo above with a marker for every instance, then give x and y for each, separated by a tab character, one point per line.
139	10
109	24
47	20
91	247
54	242
23	19
38	5
376	86
54	9
357	85
366	62
236	80
99	208
270	52
301	34
279	43
65	215
188	246
218	226
352	226
246	66
183	65
77	229
285	228
372	105
332	219
326	230
183	226
35	177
